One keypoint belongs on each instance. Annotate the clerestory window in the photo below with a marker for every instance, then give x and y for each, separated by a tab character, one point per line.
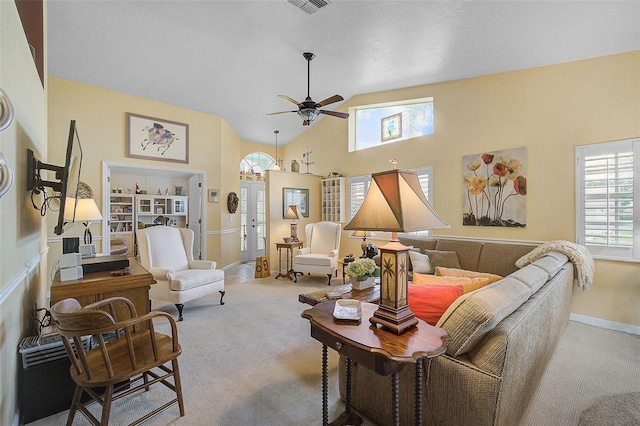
389	122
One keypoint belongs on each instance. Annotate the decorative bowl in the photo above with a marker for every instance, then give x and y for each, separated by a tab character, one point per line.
287	239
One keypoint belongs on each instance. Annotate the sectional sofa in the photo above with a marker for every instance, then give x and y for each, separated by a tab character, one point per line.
501	338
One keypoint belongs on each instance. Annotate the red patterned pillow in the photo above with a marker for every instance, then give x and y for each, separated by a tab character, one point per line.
429	302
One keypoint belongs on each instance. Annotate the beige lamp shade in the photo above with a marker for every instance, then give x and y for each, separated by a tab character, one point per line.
395	203
292	213
363	234
86	210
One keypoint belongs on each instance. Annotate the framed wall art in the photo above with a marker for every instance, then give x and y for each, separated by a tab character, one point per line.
213	195
156	139
295	197
391	127
495	188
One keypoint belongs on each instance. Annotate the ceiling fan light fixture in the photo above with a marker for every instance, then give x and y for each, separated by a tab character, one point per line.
308	114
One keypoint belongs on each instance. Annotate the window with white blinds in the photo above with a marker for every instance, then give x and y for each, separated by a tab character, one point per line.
359	185
608	199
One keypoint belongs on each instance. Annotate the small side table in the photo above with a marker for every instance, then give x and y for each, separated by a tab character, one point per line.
375	348
289	271
344	264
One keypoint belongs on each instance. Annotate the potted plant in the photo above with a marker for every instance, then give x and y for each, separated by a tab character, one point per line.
362	273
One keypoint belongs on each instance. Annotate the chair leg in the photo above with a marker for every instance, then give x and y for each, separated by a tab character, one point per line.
179	306
221	296
178	385
106	405
329	275
74	404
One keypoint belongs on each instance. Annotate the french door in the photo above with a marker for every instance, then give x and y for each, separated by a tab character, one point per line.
253	220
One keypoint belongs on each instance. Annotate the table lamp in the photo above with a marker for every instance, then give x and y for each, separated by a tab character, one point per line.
86	212
292	213
363	245
395	203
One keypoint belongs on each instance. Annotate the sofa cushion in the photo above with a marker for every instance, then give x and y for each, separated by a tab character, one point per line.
420	263
500	258
429	302
468	252
448	259
532	276
551	263
468	284
454	272
474	314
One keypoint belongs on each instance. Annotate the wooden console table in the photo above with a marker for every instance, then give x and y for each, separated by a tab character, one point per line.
289	272
376	348
97	286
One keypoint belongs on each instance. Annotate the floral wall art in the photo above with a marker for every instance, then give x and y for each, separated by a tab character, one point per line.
495	188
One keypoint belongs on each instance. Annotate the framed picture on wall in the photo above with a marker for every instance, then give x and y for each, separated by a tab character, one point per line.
156	139
213	195
391	127
295	197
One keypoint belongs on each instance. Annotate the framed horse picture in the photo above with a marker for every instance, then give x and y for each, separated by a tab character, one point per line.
156	139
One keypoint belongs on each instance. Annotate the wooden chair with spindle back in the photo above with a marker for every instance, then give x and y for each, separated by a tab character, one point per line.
128	350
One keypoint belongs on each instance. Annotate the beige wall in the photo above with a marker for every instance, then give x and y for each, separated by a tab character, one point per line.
100	117
549	110
23	273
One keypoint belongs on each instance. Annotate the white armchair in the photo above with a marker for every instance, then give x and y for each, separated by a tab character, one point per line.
167	253
321	254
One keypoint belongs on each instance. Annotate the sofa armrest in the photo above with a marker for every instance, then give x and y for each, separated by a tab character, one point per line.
304	250
202	264
333	253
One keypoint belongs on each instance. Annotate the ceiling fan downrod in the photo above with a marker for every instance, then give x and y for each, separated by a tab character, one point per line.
308	56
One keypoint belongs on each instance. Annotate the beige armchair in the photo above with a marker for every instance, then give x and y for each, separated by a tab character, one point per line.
321	254
167	253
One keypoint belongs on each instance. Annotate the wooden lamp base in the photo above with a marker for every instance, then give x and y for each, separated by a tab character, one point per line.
397	321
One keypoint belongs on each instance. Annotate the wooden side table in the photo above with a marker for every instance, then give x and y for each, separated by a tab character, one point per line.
381	350
342	262
289	272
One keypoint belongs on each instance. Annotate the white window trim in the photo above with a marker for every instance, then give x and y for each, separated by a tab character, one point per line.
608	253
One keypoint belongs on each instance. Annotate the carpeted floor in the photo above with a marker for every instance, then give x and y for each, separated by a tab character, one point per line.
253	362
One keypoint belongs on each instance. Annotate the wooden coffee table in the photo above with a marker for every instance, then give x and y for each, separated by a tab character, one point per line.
371	294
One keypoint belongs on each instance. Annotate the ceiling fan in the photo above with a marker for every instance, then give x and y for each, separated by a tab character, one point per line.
309	109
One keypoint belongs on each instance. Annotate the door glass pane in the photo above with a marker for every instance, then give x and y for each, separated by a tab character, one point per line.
261	219
243	218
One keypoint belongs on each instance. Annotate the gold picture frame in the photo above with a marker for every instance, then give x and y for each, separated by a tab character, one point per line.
391	127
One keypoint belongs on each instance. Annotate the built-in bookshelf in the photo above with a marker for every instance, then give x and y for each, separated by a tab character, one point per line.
333	199
168	210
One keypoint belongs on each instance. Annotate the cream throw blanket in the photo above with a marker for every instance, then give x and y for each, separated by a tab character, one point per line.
577	254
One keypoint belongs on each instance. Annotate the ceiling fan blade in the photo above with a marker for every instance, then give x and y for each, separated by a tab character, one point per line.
281	112
332	99
289	99
335	113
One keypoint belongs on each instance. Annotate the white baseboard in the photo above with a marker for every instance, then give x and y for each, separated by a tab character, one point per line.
610	325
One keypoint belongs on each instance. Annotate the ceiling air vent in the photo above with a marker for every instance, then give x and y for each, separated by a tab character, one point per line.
309	6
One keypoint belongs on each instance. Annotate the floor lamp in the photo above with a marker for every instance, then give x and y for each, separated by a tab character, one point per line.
395	203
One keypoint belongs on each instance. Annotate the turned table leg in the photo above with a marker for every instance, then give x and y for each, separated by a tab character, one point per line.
419	377
325	387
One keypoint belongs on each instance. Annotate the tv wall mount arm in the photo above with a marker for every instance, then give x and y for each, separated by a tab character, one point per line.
35	182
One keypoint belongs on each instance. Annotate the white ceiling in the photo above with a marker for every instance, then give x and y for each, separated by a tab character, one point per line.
232	58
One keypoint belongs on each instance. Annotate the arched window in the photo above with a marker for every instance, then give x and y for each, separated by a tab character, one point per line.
256	162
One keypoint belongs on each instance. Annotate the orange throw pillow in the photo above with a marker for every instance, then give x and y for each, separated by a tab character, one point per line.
453	272
429	302
468	284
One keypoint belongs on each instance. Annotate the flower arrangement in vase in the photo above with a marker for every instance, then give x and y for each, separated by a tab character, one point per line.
362	273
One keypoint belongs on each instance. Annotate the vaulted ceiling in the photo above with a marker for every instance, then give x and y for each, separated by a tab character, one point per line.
232	58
